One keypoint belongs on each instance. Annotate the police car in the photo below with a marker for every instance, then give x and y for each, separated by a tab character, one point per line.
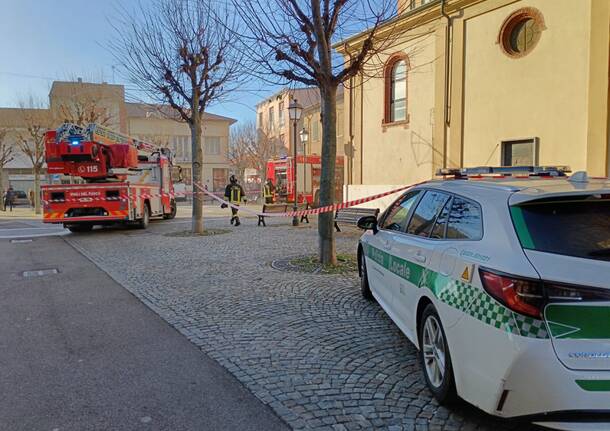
501	278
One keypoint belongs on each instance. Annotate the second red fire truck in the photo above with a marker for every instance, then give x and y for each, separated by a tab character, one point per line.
114	179
308	170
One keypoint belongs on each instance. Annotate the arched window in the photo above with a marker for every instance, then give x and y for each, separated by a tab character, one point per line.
396	89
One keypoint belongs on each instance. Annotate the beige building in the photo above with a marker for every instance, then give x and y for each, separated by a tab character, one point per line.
83	102
18	172
273	120
481	82
158	125
311	121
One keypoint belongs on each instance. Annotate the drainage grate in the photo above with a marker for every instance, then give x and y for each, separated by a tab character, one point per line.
39	272
20	241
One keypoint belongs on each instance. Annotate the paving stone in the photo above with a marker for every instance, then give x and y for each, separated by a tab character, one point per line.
308	345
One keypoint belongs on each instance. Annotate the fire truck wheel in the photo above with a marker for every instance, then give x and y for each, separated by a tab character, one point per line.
143	222
173	209
80	227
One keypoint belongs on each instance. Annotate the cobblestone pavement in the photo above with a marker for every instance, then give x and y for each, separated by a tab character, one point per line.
307	345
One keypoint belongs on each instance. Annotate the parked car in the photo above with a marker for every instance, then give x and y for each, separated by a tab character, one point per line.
20	198
503	285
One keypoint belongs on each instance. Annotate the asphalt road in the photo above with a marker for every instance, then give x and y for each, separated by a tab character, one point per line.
78	352
28	229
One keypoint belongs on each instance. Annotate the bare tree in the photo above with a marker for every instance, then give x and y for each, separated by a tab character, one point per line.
239	149
6	156
182	53
251	148
30	140
292	40
82	108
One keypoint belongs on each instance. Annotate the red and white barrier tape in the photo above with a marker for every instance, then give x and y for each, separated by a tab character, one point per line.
319	210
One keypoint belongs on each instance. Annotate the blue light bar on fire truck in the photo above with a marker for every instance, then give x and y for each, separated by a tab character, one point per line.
505	171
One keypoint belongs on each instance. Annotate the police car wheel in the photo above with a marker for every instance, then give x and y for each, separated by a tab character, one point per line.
434	357
365	288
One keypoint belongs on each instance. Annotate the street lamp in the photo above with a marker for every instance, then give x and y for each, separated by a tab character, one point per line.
294	112
304	136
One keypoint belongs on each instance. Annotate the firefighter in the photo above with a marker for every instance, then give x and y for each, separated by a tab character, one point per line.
268	191
235	194
9	199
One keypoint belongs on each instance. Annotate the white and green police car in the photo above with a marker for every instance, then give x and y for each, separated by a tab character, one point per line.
504	286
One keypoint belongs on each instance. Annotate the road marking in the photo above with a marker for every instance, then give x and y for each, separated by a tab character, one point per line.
20	241
31	232
28	228
39	272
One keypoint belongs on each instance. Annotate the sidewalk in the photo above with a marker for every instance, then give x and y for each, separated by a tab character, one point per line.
209	211
184	211
20	212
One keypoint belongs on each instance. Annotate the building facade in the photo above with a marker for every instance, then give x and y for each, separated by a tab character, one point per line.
311	121
159	125
82	102
273	120
481	82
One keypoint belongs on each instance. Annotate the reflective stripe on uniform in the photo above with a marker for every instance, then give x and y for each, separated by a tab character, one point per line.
235	195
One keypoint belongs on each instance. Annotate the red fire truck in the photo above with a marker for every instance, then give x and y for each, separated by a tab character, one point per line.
114	179
309	168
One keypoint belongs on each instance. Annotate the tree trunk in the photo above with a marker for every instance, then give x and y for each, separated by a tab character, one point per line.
197	169
37	190
326	231
1	188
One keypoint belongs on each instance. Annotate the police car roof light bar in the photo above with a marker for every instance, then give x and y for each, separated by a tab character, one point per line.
504	171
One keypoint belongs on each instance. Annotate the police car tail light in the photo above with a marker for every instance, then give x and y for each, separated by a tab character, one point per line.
522	296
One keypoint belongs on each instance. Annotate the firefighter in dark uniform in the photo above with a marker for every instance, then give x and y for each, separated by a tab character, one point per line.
268	191
235	194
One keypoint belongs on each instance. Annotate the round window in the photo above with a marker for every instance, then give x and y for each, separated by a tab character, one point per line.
521	31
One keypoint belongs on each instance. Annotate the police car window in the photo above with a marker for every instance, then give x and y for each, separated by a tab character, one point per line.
441	222
398	215
464	220
423	218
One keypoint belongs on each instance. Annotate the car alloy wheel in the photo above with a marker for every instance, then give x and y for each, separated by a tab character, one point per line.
434	351
435	358
365	287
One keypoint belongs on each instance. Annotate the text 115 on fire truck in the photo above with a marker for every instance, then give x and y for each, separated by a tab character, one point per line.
114	179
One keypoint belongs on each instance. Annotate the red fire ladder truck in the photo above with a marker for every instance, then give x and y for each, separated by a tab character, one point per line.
113	179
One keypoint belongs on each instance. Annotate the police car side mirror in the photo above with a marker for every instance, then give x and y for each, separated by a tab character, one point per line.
368	223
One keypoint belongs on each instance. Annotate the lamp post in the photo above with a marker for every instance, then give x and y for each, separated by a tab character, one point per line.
294	111
304	136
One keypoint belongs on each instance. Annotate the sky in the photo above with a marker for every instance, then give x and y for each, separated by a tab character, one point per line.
46	40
